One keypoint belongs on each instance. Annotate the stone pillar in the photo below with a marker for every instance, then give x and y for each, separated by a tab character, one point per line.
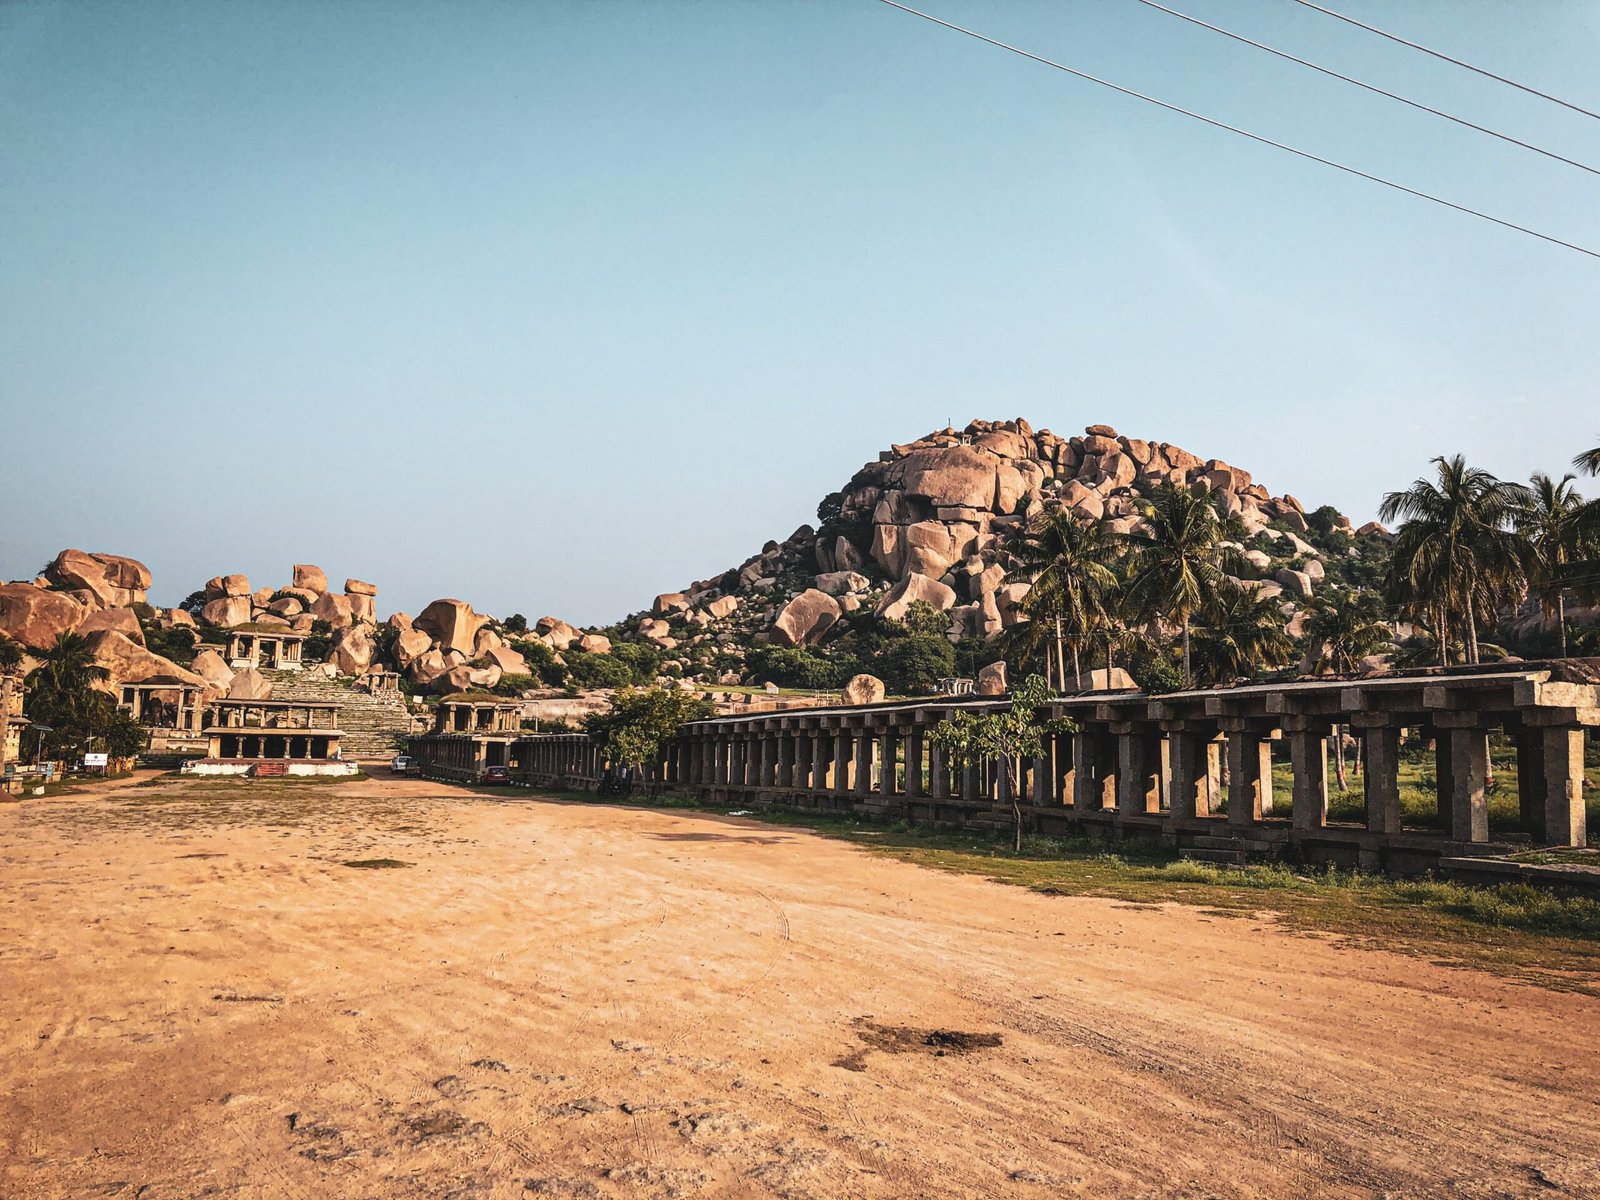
1308	759
863	771
841	761
1138	782
1380	768
1557	807
1461	755
913	745
972	781
1249	776
766	759
887	751
1085	795
938	773
784	772
1188	755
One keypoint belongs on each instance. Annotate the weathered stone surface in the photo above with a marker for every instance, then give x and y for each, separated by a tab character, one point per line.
888	548
171	618
837	583
353	649
428	667
249	684
227	611
846	557
1295	582
558	634
411	645
899	599
115	580
668	603
1101	681
400	621
465	679
992	679
130	662
334	609
227	585
594	643
359	587
723	606
211	667
806	618
1008	598
35	617
451	623
261	597
289	606
312	579
863	689
1259	559
1376	530
305	595
1006	444
955	475
507	659
270	620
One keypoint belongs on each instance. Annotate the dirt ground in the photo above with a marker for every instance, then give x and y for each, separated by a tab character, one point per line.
200	997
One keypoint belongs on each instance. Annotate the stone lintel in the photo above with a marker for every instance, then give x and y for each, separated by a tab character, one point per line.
1307	723
1125	728
1206	729
1546	718
1459	720
1264	727
1373	720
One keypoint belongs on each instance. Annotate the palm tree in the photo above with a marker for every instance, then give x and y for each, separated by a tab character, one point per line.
63	692
1455	559
1345	627
1554	538
1066	559
1239	632
1588	462
1177	569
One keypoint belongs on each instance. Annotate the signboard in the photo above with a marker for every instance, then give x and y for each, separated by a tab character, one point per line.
96	759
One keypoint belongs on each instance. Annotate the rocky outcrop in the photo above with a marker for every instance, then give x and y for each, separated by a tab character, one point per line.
209	665
899	599
863	689
35	616
129	662
250	684
119	620
804	620
115	581
310	578
992	679
451	623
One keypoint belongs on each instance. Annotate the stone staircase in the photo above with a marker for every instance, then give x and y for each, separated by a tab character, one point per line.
1224	851
374	726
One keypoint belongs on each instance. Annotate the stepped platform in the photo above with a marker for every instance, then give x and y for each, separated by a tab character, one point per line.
374	727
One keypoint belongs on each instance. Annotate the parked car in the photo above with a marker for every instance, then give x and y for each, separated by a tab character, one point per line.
403	764
496	775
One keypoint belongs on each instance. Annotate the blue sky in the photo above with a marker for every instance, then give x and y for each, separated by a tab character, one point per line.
552	307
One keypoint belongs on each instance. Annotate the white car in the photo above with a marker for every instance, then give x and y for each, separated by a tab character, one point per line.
403	764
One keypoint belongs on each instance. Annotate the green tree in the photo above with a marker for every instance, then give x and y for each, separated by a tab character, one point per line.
11	653
914	665
1455	557
1067	562
641	721
64	694
1178	564
1238	633
1342	628
1006	737
1554	538
1588	462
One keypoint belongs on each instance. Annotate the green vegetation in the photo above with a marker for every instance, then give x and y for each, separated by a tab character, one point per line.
64	694
641	721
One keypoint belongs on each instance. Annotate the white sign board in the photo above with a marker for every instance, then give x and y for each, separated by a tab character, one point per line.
95	760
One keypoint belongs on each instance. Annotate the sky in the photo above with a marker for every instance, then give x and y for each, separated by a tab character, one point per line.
554	306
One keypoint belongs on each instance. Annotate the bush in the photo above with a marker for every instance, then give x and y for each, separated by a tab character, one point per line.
914	665
794	667
588	671
643	662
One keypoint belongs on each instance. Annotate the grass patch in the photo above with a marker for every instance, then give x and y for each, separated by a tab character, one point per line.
1538	935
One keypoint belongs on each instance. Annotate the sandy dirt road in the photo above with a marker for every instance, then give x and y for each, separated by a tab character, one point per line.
197	998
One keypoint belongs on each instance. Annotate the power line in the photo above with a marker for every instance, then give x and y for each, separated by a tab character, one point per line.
1245	133
1239	37
1522	87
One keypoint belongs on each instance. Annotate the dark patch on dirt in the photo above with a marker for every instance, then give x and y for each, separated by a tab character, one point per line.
441	1123
906	1039
587	1107
246	998
203	854
489	1064
376	864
